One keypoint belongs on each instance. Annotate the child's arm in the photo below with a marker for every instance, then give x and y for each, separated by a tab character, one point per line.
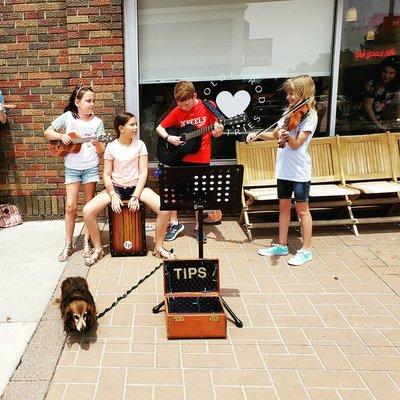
143	170
264	136
99	146
169	138
3	117
116	202
53	131
296	142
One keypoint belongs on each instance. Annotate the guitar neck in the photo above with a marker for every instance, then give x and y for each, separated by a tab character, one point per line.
199	132
83	140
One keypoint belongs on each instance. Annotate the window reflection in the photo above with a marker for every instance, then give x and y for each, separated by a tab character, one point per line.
368	100
229	46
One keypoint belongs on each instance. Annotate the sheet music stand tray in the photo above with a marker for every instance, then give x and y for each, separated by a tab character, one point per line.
217	187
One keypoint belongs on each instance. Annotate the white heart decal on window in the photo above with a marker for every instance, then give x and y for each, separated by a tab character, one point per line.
233	105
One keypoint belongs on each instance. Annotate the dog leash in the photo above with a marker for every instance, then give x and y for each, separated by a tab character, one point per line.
129	291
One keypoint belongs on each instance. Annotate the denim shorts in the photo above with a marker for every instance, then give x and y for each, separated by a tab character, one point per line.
286	188
82	175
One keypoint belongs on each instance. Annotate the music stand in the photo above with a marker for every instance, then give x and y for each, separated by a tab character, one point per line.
217	187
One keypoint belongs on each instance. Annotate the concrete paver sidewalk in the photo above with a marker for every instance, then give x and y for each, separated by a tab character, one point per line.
329	330
29	274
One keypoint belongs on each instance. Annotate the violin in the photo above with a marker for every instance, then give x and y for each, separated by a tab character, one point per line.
292	121
286	115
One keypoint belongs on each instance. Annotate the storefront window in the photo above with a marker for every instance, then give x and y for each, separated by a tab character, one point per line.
369	75
244	50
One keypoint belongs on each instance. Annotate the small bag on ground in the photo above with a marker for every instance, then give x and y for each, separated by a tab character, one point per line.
9	216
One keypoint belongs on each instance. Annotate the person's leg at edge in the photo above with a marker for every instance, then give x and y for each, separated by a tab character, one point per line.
88	194
304	214
71	204
90	211
152	200
302	190
284	220
285	190
173	217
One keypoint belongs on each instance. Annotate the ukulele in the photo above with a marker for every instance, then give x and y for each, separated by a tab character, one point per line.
59	149
171	155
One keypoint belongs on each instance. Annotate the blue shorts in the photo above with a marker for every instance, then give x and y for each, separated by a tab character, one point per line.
286	188
124	193
82	175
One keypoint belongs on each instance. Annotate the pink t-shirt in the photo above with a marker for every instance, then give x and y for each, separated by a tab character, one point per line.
125	161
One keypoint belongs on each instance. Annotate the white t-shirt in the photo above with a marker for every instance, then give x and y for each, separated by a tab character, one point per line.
125	161
295	165
87	156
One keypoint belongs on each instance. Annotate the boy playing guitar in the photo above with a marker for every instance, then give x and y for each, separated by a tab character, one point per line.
189	110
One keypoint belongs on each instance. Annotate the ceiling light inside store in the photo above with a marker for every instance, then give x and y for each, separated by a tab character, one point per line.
351	14
370	35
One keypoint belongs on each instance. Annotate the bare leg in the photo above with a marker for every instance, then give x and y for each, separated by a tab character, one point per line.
173	217
71	206
88	194
152	200
304	214
284	219
90	212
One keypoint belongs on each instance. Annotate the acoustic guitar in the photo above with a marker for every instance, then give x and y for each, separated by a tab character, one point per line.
171	155
59	149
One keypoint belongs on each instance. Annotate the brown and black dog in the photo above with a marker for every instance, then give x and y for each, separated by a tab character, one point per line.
78	310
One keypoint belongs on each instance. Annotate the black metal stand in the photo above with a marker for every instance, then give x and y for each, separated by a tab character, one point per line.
201	188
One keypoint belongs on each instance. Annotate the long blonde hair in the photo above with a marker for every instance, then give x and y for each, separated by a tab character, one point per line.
303	86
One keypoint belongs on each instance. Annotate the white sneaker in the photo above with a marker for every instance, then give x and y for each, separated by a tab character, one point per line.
302	256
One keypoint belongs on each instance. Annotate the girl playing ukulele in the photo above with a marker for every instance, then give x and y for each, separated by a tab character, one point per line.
293	168
125	176
82	167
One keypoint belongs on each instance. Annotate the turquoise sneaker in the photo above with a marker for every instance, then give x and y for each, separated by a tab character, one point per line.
301	257
274	250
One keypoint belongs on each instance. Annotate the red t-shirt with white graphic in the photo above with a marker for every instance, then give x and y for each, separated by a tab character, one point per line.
199	116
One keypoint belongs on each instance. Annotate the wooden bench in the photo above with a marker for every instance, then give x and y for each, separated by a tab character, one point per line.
369	164
259	183
395	153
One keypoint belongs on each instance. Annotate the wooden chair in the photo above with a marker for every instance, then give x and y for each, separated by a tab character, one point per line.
395	153
259	183
368	164
328	188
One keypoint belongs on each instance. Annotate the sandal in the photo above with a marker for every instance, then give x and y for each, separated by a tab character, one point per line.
65	252
87	249
97	255
164	254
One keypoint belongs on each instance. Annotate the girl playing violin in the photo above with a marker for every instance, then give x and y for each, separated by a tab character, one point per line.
293	166
125	176
82	167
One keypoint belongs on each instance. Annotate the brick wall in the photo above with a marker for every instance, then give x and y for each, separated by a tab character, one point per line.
48	47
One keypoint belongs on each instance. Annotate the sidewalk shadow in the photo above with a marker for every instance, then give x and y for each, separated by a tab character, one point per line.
84	340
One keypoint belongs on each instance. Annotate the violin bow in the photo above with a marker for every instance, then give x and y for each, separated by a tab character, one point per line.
288	112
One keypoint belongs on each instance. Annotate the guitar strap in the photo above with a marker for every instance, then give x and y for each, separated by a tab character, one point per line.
209	214
213	109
